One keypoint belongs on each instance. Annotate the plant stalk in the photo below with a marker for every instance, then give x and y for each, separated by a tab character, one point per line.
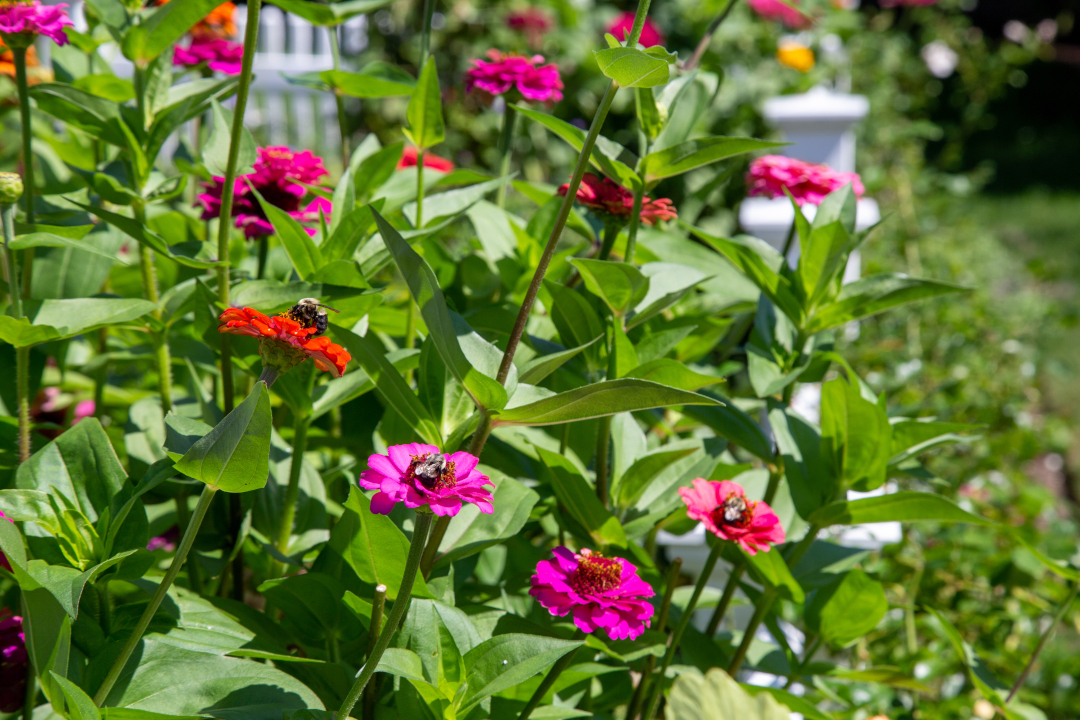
603	442
706	39
431	552
378	604
549	680
1042	642
725	599
401	604
335	50
292	490
635	221
150	289
506	148
661	621
425	33
197	516
22	379
7	219
264	250
19	56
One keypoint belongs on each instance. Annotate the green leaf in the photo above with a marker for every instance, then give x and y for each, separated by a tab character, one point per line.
668	283
424	286
313	604
48	639
234	456
75	316
389	385
348	234
424	114
900	507
440	635
794	703
847	609
649	116
79	704
856	436
577	322
401	662
21	333
610	158
770	569
134	229
215	153
600	399
807	472
580	501
821	257
673	373
439	207
541	366
980	675
728	421
41	239
302	250
716	696
162	27
471	531
620	285
333	13
97	116
692	154
630	486
912	437
374	80
505	661
875	294
631	67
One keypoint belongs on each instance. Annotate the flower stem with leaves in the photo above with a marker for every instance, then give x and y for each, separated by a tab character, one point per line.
19	55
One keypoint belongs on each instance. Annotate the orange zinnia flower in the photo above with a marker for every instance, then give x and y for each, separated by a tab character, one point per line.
7	64
284	343
218	24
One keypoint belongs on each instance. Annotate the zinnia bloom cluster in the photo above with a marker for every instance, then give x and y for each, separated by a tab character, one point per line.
600	592
782	11
421	475
434	162
277	175
724	510
533	22
284	343
224	56
615	202
21	22
13	663
807	182
502	72
650	33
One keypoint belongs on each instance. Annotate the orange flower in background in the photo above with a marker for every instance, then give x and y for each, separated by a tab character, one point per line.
795	55
284	343
218	24
34	72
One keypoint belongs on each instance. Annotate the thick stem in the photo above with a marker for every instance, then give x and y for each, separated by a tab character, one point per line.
635	221
401	604
251	39
150	289
706	39
101	377
425	32
431	552
603	441
7	219
420	188
378	604
335	50
788	241
661	621
22	380
684	621
1042	643
611	234
178	560
763	606
549	680
236	519
19	56
264	249
725	599
292	490
183	520
506	146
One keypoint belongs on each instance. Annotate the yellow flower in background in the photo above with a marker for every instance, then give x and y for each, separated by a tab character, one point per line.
795	55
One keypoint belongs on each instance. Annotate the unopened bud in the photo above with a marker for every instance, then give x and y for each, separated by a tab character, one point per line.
11	188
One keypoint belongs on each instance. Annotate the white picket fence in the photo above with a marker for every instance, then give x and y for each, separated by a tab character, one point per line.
279	112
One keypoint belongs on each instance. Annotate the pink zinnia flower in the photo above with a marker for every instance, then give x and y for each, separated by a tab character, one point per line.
277	175
784	12
532	22
166	541
504	71
723	508
807	182
601	592
615	201
434	162
13	662
30	19
650	33
224	56
418	475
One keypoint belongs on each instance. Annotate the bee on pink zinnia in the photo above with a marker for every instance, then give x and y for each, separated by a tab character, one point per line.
723	508
504	71
807	182
421	475
29	19
599	591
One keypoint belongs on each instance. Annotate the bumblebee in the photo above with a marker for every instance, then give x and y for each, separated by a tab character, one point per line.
310	313
430	468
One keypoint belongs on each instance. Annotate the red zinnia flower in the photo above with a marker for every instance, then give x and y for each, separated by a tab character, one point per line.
13	662
723	508
784	12
277	175
434	162
224	56
420	475
21	22
284	343
807	182
616	202
504	71
650	33
601	592
532	21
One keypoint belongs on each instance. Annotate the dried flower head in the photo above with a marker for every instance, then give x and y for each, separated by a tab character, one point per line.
503	72
808	183
599	591
615	203
423	476
23	20
284	343
724	510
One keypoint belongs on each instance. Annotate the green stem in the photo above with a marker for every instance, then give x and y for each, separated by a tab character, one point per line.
431	552
706	39
661	621
635	221
183	520
22	379
292	490
912	637
1042	642
378	604
684	621
236	519
251	39
611	234
19	56
506	146
603	441
788	241
401	604
425	32
101	377
419	188
201	507
549	680
811	648
264	249
725	599
150	289
7	219
335	50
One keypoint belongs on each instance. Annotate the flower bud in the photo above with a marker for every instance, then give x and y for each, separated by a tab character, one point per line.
11	188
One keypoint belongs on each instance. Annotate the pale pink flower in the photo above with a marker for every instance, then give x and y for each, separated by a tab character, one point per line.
650	33
807	182
503	72
784	12
420	475
224	56
600	592
724	510
32	18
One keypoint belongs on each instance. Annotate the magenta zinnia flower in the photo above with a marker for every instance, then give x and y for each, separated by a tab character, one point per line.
784	12
13	662
223	56
723	508
29	19
504	72
166	541
615	203
277	175
807	182
601	592
650	33
418	475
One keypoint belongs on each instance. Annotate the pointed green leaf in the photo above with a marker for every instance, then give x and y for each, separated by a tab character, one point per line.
162	27
716	696
620	285
304	253
900	507
671	372
579	499
631	67
505	661
424	114
875	294
692	154
374	80
846	609
215	154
